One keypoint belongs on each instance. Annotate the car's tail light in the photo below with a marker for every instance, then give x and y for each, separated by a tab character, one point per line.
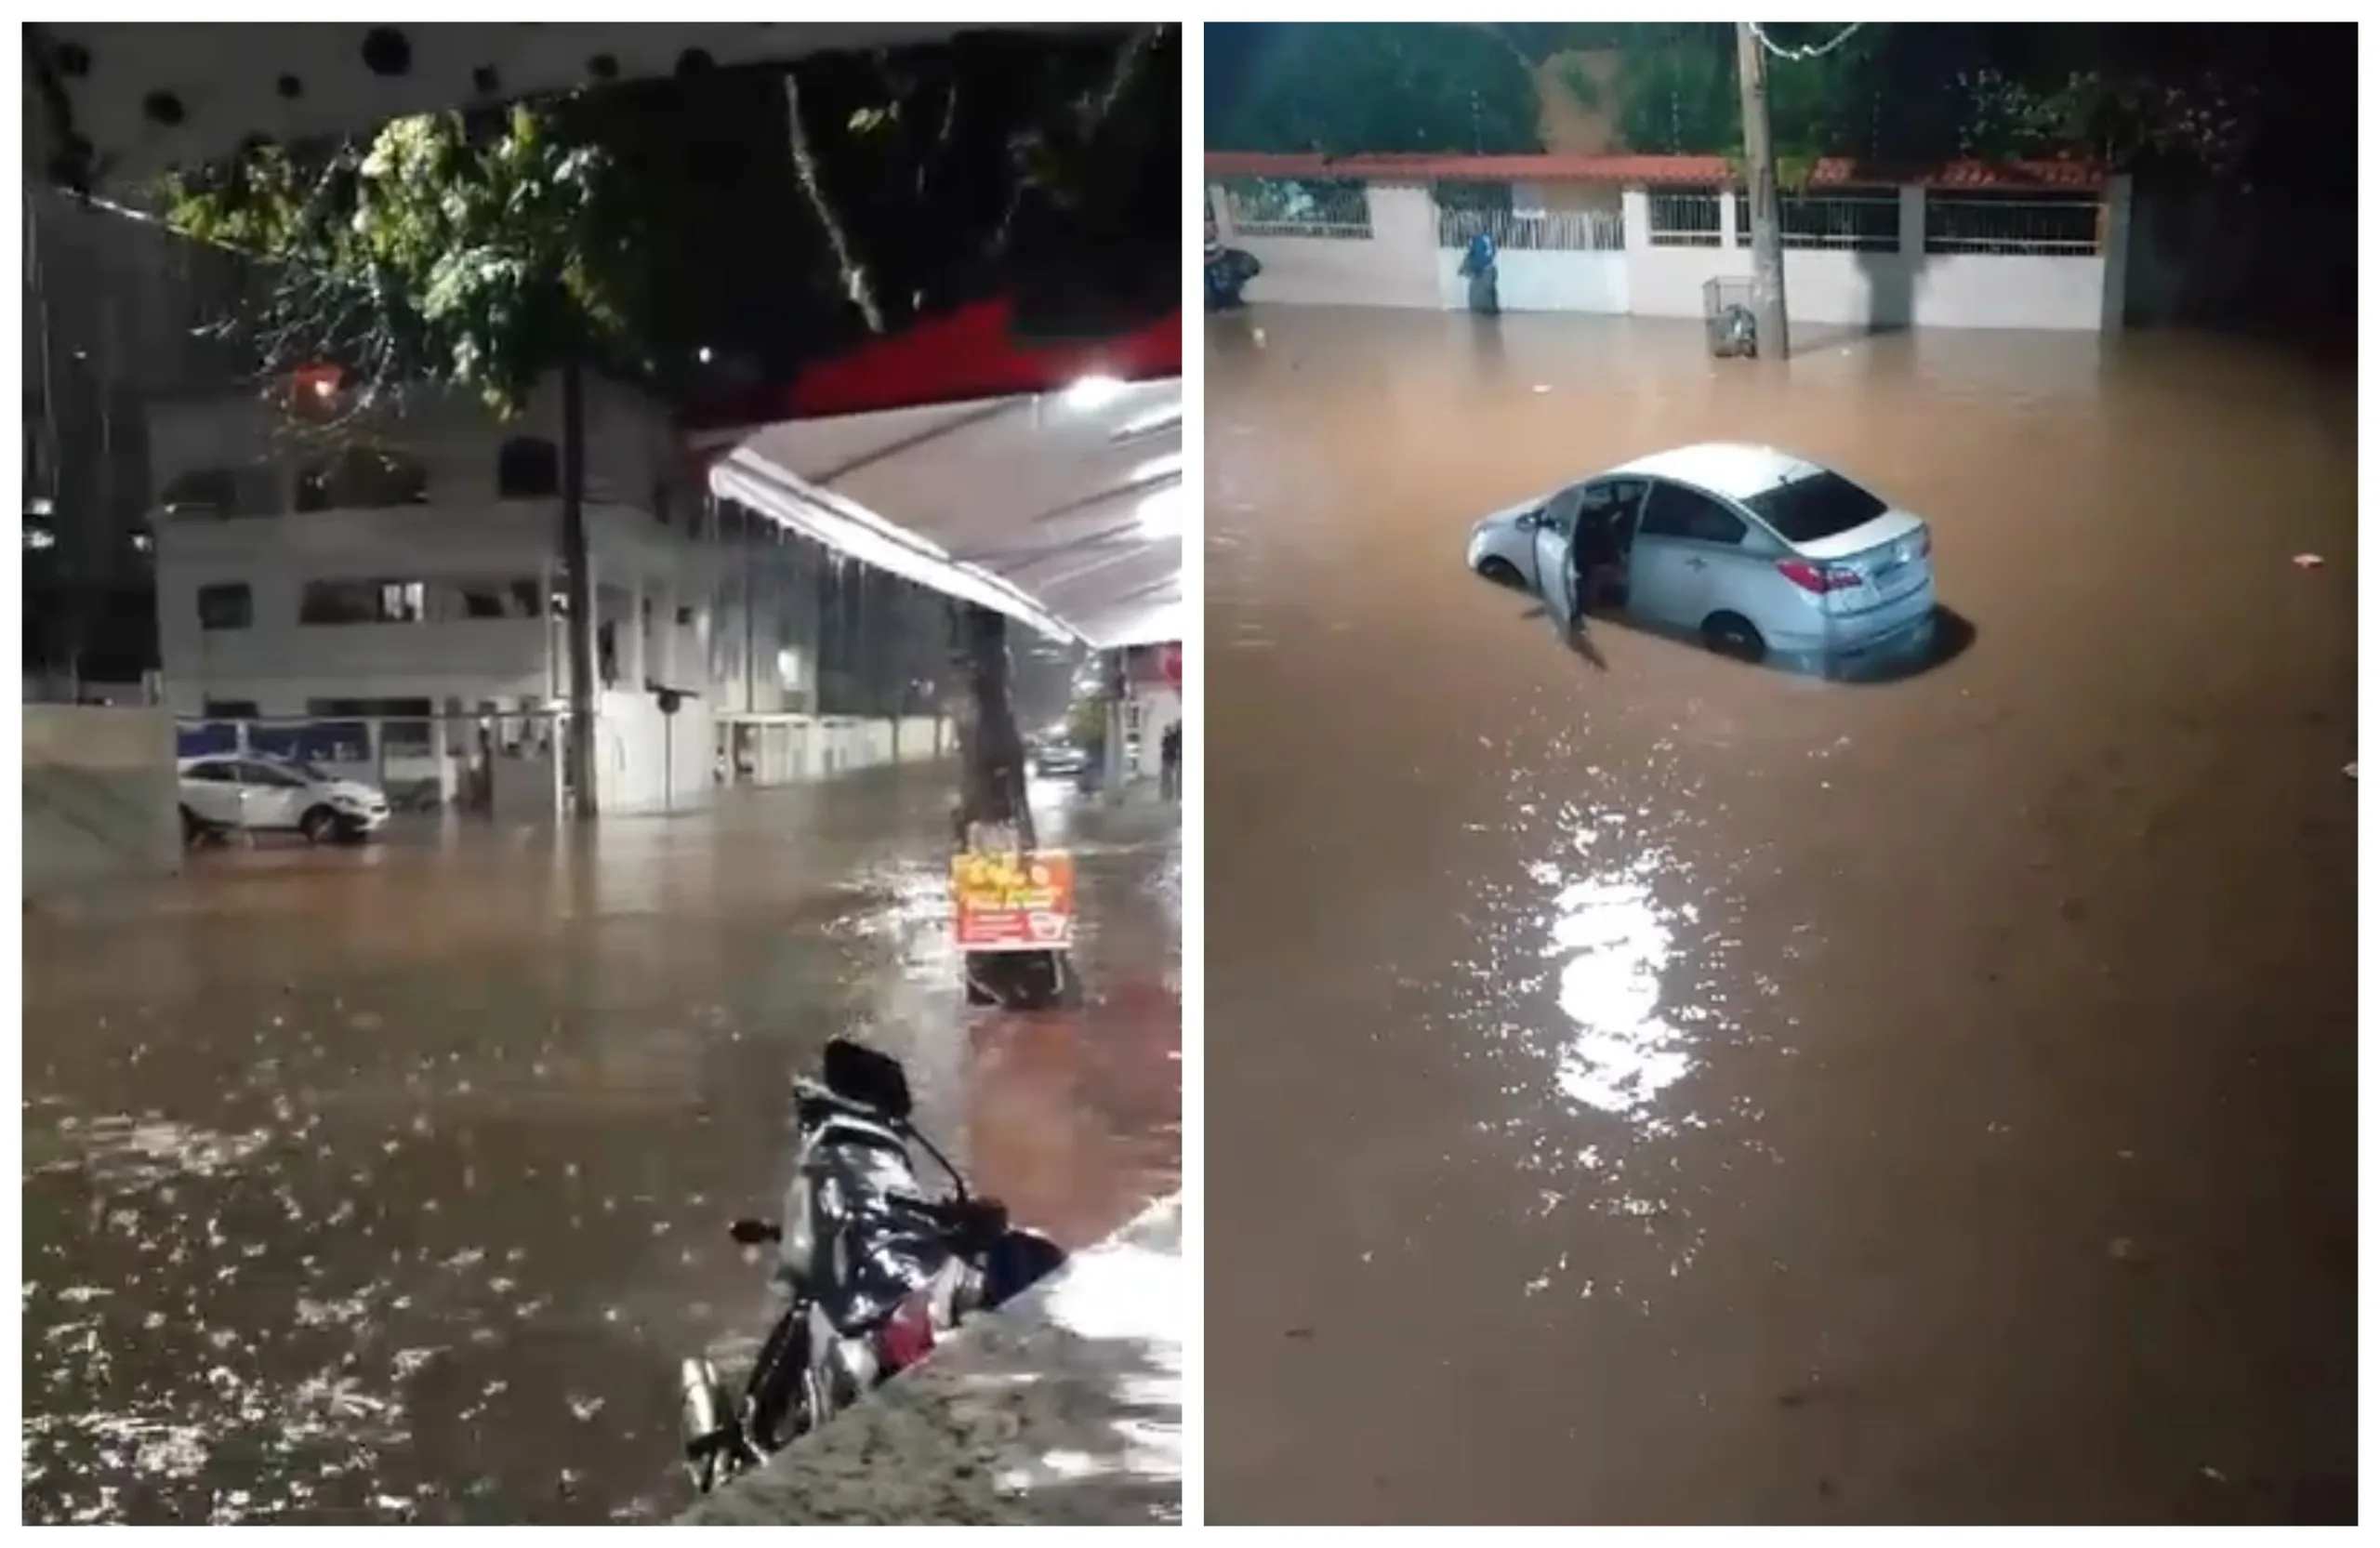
909	1333
1817	578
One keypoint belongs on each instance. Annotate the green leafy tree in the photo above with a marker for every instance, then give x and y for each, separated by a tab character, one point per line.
485	253
1344	88
1677	91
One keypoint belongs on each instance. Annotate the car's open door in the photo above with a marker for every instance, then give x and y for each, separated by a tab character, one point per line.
1555	533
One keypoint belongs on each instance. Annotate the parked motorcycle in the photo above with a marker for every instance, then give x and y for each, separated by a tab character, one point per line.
874	1270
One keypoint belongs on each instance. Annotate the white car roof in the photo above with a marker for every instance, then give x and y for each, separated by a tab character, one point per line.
1725	468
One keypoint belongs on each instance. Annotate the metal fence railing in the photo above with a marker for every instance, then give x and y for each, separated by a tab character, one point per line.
1552	231
1298	207
1682	219
1836	222
2071	226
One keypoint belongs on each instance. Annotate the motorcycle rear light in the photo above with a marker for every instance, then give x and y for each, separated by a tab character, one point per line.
908	1334
1817	579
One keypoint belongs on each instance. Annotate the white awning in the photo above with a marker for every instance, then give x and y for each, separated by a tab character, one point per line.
1063	511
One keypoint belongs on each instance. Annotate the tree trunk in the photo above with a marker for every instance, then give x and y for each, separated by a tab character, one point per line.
580	592
1760	163
992	813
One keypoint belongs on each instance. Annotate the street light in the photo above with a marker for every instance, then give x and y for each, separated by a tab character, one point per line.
1090	394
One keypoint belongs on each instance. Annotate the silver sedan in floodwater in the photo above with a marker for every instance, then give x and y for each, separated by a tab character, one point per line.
1759	552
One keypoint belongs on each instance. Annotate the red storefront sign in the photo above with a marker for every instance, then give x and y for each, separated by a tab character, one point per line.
1015	902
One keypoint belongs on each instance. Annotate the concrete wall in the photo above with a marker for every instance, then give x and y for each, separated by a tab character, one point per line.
99	797
921	739
1401	264
1159	708
1908	288
649	762
1543	282
793	749
1395	267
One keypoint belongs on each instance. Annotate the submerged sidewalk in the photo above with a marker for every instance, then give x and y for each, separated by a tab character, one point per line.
1064	1409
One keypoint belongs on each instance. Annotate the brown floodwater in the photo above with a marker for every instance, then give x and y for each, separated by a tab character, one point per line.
391	1185
1644	1087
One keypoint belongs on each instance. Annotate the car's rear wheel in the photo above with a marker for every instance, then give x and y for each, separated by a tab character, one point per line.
195	829
1500	570
319	825
1733	634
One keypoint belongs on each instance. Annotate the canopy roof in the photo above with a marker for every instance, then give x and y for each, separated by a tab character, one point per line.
1044	482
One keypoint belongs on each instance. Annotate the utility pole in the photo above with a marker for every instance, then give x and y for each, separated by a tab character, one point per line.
1760	161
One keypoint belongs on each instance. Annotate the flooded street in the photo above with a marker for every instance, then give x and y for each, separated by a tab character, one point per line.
392	1185
1669	1089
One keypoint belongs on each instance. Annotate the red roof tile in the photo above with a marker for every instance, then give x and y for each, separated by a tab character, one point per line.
1833	171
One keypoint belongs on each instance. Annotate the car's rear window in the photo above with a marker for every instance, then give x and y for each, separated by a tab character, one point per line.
1819	507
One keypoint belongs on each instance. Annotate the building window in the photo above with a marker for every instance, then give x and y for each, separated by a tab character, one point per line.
404	723
494	599
528	468
362	478
362	601
229	606
231	710
202	492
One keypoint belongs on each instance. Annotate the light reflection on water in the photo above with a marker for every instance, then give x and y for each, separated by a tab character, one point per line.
1597	976
1616	942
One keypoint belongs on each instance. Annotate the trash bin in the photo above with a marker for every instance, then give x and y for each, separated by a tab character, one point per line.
1727	317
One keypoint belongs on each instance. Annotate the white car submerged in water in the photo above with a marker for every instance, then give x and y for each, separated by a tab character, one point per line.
226	792
1758	551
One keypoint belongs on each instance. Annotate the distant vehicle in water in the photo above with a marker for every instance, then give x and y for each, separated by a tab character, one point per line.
1059	758
1757	550
252	793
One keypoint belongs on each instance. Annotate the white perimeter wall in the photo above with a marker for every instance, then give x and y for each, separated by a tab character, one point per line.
648	762
101	797
1161	709
1894	290
1395	267
1543	282
1401	264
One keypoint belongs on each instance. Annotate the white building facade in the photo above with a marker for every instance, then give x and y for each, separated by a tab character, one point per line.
400	578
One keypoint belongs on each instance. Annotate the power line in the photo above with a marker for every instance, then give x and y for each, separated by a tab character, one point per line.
1802	55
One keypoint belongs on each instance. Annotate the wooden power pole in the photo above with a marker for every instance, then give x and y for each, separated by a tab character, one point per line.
1760	161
